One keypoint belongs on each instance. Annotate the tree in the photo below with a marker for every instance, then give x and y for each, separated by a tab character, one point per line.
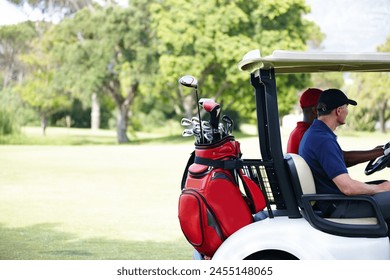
107	52
50	11
14	40
37	88
327	80
208	38
372	92
28	69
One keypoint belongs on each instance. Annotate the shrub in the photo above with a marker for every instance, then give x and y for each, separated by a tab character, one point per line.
8	124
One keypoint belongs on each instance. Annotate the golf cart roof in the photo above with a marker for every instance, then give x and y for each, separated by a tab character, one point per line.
311	62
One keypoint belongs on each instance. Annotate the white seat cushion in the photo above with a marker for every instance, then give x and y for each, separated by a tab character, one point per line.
304	175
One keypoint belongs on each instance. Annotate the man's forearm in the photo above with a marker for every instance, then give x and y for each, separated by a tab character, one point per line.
352	158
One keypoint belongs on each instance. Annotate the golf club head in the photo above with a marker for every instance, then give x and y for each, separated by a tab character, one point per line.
186	122
208	136
196	130
189	81
206	124
229	123
227	119
192	82
195	120
187	132
222	130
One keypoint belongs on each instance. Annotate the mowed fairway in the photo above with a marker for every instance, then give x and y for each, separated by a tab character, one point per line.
105	202
54	199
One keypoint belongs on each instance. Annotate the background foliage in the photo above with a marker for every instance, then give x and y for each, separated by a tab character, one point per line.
120	65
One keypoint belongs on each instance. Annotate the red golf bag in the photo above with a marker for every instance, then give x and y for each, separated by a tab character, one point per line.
212	205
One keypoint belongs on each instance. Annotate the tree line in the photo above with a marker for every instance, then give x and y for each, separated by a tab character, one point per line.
104	58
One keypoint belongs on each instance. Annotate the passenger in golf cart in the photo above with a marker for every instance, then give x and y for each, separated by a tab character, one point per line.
308	102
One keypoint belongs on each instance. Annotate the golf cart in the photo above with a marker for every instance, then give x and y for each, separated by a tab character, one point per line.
290	226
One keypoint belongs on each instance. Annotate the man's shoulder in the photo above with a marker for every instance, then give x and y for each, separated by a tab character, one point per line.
317	135
295	137
302	125
318	127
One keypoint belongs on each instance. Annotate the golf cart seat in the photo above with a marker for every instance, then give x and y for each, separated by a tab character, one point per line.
304	188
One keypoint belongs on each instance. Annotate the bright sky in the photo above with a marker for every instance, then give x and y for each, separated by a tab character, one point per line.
9	14
349	25
352	25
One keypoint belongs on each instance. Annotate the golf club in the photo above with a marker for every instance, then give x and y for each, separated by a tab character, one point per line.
195	120
187	132
229	123
190	81
209	136
186	122
222	130
214	109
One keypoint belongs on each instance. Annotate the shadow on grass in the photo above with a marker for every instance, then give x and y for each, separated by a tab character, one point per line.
44	242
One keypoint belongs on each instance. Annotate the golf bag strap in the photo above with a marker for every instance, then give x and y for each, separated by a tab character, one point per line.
189	162
248	193
224	164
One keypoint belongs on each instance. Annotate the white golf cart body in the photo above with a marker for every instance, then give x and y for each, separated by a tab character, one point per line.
290	227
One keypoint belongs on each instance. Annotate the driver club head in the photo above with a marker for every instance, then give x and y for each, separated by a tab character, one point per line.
189	81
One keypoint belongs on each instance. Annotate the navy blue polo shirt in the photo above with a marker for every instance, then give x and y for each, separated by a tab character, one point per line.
323	154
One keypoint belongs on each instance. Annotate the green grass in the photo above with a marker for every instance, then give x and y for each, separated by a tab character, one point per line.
45	242
106	201
125	196
74	136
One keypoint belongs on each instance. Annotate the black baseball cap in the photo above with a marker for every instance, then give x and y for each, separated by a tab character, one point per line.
333	98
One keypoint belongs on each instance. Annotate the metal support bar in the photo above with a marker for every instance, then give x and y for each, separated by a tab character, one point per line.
264	83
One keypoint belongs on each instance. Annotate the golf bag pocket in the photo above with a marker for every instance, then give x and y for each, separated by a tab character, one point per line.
198	223
211	208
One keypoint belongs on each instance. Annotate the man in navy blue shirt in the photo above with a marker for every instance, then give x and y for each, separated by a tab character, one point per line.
320	149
